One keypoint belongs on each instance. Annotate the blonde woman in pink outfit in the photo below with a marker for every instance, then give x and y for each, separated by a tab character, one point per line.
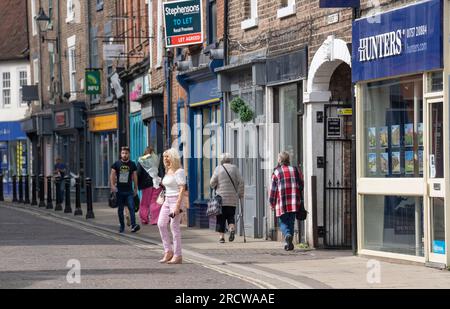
174	183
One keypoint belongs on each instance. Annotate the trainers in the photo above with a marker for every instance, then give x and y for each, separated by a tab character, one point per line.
222	240
232	233
289	246
135	228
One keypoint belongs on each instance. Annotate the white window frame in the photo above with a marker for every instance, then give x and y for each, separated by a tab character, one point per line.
25	80
288	10
6	88
33	17
70	11
160	38
251	22
71	51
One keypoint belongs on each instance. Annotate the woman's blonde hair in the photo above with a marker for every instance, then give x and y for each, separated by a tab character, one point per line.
174	158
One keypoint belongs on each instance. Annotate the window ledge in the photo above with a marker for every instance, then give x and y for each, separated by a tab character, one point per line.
249	23
100	7
286	11
109	99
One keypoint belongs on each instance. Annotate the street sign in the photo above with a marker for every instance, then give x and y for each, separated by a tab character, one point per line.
339	3
183	22
345	111
113	51
93	82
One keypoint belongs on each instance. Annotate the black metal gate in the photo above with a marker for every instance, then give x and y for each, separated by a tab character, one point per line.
337	176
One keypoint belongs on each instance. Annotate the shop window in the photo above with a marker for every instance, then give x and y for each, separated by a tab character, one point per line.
393	128
394	224
106	154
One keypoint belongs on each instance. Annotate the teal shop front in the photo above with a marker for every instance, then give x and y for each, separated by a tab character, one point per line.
138	136
204	115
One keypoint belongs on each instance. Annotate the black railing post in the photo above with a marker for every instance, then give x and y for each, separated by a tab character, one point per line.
78	210
2	198
34	190
59	196
20	189
41	191
68	208
27	189
14	184
49	193
90	211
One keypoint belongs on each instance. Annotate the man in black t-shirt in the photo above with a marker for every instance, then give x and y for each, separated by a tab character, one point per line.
123	175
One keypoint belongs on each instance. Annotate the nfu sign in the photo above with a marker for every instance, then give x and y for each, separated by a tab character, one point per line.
183	22
93	82
408	40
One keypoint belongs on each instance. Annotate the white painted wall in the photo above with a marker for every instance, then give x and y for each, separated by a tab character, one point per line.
15	111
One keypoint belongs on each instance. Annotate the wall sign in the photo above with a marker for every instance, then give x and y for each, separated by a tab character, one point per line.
183	22
93	82
103	123
339	3
402	41
61	119
334	127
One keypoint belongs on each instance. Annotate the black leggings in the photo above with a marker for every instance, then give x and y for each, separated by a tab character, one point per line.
228	214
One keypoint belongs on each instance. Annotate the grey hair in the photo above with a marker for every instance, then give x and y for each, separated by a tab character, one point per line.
284	158
226	158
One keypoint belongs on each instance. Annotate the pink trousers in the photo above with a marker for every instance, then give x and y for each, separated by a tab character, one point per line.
149	207
163	224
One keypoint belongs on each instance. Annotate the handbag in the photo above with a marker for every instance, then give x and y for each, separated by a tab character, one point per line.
112	201
301	214
137	202
161	198
214	205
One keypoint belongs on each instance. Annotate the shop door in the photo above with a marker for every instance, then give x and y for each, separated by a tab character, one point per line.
337	176
241	144
436	182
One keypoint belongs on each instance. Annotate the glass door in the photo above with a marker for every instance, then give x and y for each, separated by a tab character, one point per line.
436	181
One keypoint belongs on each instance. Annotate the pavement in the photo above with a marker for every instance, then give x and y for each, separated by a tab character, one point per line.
262	263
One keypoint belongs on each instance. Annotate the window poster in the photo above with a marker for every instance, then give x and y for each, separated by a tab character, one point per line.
395	136
372	163
409	162
420	133
420	155
372	138
384	163
383	137
396	162
409	135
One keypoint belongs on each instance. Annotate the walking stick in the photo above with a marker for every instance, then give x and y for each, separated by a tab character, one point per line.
241	218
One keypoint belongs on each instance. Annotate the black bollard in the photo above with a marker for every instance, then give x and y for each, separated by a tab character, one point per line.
78	210
2	198
20	189
27	189
14	184
90	211
41	191
49	193
34	190
68	208
59	196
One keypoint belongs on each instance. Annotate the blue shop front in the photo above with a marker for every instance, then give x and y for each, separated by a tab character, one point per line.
13	153
203	142
402	127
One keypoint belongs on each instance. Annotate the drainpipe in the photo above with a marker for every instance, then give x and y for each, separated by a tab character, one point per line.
59	53
168	72
87	103
354	217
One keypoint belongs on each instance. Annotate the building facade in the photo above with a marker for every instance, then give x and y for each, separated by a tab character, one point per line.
14	73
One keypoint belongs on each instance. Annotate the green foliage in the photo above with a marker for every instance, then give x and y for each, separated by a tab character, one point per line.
239	106
236	104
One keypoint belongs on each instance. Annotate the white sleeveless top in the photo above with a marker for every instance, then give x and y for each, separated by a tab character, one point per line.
173	182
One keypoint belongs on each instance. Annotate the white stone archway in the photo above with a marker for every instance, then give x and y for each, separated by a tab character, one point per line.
332	53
